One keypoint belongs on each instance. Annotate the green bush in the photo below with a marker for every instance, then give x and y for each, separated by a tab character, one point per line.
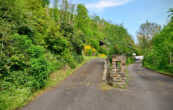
158	56
130	60
170	68
114	50
38	71
66	55
55	41
89	52
54	61
77	44
18	78
95	44
27	65
78	58
103	50
25	30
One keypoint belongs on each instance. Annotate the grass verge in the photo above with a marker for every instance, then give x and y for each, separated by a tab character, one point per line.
105	87
164	72
17	98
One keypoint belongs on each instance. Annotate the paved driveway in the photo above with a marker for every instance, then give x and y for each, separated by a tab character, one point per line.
147	91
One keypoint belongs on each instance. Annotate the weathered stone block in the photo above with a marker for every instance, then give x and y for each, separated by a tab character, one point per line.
118	70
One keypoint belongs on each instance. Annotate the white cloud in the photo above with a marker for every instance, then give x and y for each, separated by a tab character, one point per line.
101	4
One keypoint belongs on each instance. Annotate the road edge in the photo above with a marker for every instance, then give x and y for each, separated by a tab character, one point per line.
49	87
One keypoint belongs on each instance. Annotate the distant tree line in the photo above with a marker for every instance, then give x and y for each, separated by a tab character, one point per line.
156	45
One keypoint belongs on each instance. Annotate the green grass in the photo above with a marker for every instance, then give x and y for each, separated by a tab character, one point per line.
10	100
17	98
91	57
59	75
164	72
105	87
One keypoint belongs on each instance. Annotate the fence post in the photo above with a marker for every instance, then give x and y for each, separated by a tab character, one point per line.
170	58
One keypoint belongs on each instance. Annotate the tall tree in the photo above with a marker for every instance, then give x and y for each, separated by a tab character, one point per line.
82	18
146	31
56	11
45	2
63	10
71	16
171	16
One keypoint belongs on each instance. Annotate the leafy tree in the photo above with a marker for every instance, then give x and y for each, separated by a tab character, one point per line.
56	11
82	19
171	14
55	41
45	2
146	32
64	6
159	56
77	42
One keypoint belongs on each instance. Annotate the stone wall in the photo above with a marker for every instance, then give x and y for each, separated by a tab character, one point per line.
118	73
106	70
115	74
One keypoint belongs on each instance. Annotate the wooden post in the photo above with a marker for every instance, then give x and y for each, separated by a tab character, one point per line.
170	58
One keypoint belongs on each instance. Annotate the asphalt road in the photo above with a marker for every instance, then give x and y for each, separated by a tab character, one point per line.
147	90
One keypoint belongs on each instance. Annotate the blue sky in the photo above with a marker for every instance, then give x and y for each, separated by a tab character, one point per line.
130	13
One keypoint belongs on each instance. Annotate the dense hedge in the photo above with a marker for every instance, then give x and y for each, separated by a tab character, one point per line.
161	52
26	63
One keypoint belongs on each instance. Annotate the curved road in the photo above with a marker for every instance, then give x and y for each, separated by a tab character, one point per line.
147	90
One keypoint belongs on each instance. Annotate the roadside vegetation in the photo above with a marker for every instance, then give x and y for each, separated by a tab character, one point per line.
156	44
20	97
36	40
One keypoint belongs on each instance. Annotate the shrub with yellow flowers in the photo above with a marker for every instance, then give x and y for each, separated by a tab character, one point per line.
102	55
89	51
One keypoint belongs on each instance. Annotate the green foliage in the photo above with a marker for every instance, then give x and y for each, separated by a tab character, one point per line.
171	16
130	60
10	100
55	41
94	43
54	62
78	58
36	40
26	61
159	56
103	50
66	55
82	18
77	42
119	41
89	52
25	30
146	31
45	2
66	29
38	71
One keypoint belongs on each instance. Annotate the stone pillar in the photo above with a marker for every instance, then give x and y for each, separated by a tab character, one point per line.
118	75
